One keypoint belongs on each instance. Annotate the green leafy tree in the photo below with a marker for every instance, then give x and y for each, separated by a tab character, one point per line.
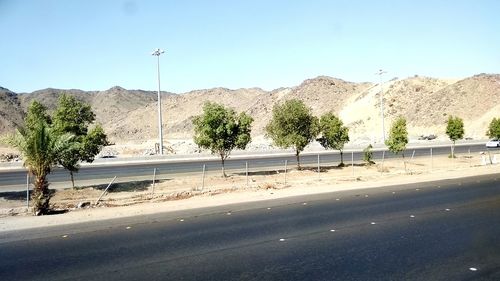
292	126
398	138
40	148
36	112
455	131
221	130
368	155
494	129
74	117
334	134
92	143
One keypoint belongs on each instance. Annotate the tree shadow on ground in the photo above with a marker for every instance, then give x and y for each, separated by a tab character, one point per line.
20	195
56	212
324	169
133	186
14	195
261	173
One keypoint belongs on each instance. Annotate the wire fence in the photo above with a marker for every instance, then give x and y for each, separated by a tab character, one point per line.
158	184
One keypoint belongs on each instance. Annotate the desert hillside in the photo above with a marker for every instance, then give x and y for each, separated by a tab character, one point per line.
129	116
11	112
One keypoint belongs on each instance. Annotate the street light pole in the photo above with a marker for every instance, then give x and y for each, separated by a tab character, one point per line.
157	53
379	73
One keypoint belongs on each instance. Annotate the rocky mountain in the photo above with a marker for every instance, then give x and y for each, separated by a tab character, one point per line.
11	112
109	105
131	115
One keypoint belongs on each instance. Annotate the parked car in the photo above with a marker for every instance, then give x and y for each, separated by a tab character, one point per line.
493	143
429	137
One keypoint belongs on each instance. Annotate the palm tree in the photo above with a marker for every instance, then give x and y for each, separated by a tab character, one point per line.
41	149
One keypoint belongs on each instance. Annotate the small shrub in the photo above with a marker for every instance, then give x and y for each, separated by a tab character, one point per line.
368	155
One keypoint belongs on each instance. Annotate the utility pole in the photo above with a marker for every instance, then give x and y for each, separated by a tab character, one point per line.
157	53
379	73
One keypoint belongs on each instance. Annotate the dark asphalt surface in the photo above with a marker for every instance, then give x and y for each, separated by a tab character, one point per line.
427	231
16	180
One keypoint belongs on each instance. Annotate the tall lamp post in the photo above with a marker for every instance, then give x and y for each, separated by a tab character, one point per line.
157	53
379	73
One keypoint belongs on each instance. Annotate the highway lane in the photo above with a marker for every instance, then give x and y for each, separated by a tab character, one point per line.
446	230
102	174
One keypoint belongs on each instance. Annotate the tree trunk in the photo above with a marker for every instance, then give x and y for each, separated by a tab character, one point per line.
72	179
404	161
453	150
298	159
341	158
489	156
41	195
222	158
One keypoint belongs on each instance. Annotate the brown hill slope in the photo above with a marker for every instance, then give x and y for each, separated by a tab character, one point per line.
131	115
49	96
116	103
426	101
110	106
322	94
11	112
177	111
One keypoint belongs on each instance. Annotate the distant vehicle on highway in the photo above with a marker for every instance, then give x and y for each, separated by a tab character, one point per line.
493	143
429	137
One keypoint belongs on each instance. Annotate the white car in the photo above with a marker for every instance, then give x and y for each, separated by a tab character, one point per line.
493	143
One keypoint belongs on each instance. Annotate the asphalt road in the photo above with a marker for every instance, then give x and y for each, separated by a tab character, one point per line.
15	180
447	230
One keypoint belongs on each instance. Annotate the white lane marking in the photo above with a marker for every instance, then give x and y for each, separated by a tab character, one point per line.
412	216
473	269
181	220
373	223
417	189
337	199
332	230
228	213
269	208
128	227
282	239
65	236
304	203
447	210
393	192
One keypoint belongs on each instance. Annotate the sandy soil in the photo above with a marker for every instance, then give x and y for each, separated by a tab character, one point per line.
185	192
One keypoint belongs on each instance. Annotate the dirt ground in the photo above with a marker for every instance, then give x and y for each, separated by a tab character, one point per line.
192	191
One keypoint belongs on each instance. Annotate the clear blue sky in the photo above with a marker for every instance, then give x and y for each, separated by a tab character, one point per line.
94	45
